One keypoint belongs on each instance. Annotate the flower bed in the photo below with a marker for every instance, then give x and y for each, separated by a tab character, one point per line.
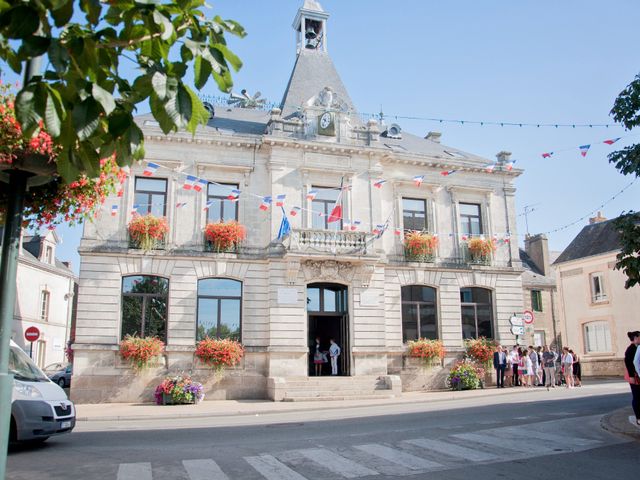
224	236
420	247
466	375
430	351
481	249
179	390
140	351
147	232
480	349
219	353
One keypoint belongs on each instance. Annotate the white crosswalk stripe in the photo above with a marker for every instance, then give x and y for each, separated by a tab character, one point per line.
556	440
452	449
508	442
398	456
204	469
337	463
134	471
272	469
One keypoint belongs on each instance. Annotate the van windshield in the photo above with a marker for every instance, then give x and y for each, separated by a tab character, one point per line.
23	368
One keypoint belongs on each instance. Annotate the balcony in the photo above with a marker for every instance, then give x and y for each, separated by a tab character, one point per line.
325	241
473	259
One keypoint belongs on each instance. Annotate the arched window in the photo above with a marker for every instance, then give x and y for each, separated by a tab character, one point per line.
419	314
219	308
477	312
144	306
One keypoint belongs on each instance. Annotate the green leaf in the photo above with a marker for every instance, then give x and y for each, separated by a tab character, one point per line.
92	9
86	118
165	23
26	109
202	72
58	56
62	15
67	170
229	56
104	98
20	22
199	114
160	114
159	84
34	46
54	111
179	108
119	122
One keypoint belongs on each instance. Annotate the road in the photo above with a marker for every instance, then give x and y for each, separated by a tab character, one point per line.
520	436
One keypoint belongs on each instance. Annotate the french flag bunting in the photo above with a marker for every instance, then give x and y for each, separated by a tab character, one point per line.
378	183
547	155
200	185
181	204
509	165
134	209
584	149
294	211
346	225
336	213
397	231
150	169
418	179
377	230
465	237
312	194
120	192
448	172
489	168
266	203
234	196
611	141
347	188
189	182
280	200
355	224
208	205
114	210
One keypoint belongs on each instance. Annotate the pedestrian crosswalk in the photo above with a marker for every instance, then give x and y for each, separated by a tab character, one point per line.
403	457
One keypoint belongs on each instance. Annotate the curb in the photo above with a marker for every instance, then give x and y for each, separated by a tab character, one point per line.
617	422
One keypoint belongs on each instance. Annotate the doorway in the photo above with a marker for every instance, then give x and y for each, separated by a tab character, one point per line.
328	318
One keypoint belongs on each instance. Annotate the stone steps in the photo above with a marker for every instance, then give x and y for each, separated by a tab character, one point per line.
300	389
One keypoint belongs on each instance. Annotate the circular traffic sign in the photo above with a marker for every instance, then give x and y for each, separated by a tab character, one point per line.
528	317
32	334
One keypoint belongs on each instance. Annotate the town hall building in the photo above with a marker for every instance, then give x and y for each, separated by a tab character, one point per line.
331	273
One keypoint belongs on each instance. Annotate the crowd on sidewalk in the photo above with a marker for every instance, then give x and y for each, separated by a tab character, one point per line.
536	367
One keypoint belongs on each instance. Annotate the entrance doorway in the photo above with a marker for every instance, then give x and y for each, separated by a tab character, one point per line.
328	318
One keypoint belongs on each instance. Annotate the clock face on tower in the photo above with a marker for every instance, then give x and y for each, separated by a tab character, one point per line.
326	124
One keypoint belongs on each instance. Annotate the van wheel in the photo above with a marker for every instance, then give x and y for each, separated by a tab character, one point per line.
61	382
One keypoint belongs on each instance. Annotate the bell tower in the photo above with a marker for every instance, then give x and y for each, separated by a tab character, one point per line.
310	25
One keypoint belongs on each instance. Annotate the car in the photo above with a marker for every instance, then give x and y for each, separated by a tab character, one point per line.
60	373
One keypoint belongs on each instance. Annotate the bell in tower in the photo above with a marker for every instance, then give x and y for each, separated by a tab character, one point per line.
310	25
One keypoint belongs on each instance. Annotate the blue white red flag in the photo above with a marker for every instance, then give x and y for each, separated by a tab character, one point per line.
150	169
200	185
280	200
355	224
448	172
397	231
294	211
611	141
234	196
509	165
378	183
312	194
208	205
489	168
114	210
547	155
189	182
418	179
584	149
134	209
266	203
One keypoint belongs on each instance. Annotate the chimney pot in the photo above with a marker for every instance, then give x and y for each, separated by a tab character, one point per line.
598	218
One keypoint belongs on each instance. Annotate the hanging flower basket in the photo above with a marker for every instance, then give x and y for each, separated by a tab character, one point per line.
430	351
480	349
147	232
420	246
219	353
140	352
224	236
481	249
179	390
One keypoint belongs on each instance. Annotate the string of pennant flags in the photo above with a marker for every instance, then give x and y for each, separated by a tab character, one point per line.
584	149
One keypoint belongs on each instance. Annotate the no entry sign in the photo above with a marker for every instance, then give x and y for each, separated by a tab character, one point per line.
528	317
32	334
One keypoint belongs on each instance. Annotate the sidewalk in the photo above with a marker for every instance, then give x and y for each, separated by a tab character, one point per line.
224	408
618	422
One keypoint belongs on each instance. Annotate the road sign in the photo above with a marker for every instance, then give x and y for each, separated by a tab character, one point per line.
528	317
517	330
517	321
32	334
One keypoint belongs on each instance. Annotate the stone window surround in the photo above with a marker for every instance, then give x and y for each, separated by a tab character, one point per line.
437	305
166	340
494	316
195	331
609	320
312	177
403	189
606	297
43	313
207	196
478	197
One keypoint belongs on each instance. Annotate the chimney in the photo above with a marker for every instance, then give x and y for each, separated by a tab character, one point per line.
434	136
537	247
597	219
503	156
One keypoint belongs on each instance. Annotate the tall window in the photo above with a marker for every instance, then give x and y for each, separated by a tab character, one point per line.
470	219
44	305
419	316
219	308
598	293
321	207
477	312
151	196
221	209
48	255
536	300
414	214
597	337
144	306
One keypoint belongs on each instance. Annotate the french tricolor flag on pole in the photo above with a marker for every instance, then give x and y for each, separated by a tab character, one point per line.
612	141
294	211
114	210
378	183
200	185
234	196
150	169
584	149
448	172
280	200
266	203
418	179
189	182
312	194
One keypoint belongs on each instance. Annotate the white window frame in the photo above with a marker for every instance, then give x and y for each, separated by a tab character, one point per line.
45	300
601	296
597	337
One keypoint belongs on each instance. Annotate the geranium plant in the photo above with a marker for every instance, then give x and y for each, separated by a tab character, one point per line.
466	375
480	349
481	249
420	246
219	353
430	351
147	231
180	389
224	236
140	352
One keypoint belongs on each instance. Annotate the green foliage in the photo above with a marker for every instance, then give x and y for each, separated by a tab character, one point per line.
83	100
626	110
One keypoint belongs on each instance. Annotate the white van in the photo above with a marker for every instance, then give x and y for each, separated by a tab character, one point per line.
39	407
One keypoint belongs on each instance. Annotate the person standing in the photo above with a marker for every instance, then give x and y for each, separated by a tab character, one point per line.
577	369
540	370
567	367
334	352
318	358
631	373
500	365
549	364
523	371
533	373
514	359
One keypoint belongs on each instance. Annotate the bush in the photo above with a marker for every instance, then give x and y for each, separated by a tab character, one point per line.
428	350
140	351
219	353
466	375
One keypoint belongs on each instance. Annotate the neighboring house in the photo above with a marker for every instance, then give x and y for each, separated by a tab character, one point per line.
540	292
597	310
44	299
328	279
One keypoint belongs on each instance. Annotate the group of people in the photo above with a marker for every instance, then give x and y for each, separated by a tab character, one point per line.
536	367
632	371
320	356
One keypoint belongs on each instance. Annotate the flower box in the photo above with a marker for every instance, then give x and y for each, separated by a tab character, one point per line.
223	237
480	251
420	247
147	232
140	352
219	353
179	390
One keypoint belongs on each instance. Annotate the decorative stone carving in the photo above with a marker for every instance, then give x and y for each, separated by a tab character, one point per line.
329	270
366	273
293	267
329	100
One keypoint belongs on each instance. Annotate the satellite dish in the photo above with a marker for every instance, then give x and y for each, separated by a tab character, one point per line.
209	108
394	131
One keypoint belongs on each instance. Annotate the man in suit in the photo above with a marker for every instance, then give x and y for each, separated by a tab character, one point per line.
500	364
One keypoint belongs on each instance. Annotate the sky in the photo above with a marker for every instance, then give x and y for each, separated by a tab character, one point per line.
540	61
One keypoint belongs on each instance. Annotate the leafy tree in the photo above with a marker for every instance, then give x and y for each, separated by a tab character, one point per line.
626	110
83	99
